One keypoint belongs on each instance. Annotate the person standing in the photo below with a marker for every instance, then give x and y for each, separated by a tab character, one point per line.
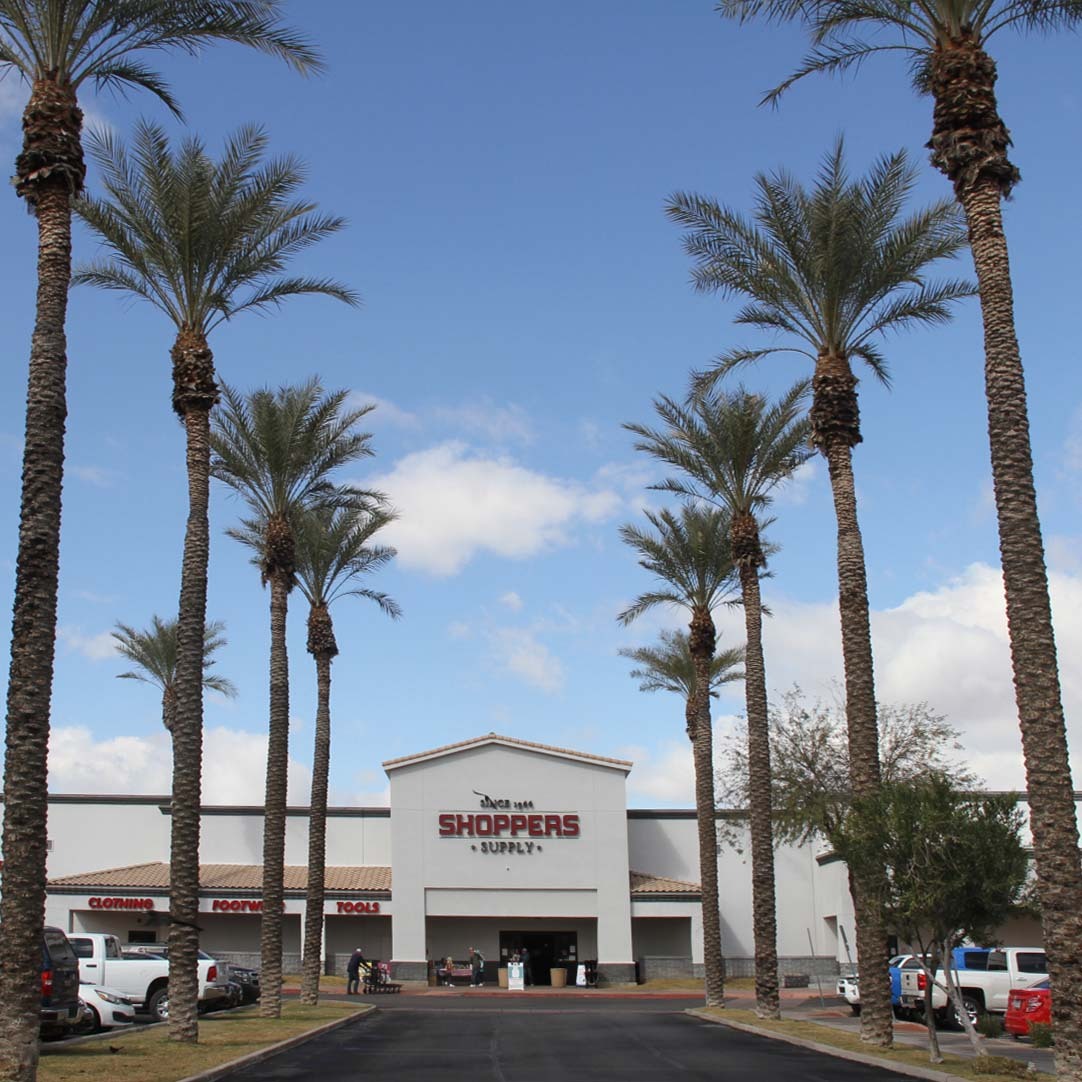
477	967
353	972
527	973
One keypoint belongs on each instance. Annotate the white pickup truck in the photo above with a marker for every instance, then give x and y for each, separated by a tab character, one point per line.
143	980
984	975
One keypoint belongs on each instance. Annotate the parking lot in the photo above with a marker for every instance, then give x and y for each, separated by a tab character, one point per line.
542	1041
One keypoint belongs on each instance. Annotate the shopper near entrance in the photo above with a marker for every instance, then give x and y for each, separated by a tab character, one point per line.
527	970
477	965
353	972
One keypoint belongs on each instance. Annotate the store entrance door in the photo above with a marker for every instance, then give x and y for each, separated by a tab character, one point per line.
547	950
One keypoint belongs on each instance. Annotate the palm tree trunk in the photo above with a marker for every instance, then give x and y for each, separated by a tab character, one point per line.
701	646
188	740
317	834
876	1018
760	812
1029	623
969	145
49	172
274	821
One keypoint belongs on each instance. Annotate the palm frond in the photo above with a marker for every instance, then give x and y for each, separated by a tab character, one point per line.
669	666
153	651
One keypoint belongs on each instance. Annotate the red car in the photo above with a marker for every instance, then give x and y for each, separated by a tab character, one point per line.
1026	1006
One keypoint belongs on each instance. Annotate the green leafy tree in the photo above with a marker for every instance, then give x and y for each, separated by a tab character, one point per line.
733	450
202	241
956	870
153	652
689	553
278	451
57	47
947	42
334	553
830	270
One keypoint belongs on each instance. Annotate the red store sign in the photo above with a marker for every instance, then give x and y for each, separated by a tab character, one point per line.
237	905
121	903
473	825
358	908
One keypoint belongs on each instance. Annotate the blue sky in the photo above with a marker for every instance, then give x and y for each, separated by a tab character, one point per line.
504	171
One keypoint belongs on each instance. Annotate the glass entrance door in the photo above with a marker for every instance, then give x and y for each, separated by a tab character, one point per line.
545	951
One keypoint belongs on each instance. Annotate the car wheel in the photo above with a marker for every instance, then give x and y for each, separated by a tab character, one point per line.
158	1005
93	1021
972	1008
855	1008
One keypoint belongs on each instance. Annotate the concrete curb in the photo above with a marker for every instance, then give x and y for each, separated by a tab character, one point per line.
223	1069
929	1073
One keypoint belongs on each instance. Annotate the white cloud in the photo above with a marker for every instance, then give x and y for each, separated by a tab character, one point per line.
98	647
455	505
512	601
946	646
519	652
386	412
98	476
500	424
234	765
796	489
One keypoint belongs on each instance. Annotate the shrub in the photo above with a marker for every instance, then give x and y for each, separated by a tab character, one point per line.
1000	1065
1040	1035
989	1025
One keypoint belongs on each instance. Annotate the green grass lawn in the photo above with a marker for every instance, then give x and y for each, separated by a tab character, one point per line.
986	1068
149	1055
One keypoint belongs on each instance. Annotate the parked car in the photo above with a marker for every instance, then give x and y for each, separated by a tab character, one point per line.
849	988
894	968
141	976
104	1008
226	991
248	979
985	977
1028	1005
60	1006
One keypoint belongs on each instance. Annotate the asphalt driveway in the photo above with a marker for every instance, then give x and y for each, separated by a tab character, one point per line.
519	1043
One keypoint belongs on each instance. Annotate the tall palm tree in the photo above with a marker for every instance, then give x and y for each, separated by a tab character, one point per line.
947	44
277	450
57	46
734	450
153	651
831	269
202	241
333	553
689	553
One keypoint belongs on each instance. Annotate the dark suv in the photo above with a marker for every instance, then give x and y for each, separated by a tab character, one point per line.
60	1007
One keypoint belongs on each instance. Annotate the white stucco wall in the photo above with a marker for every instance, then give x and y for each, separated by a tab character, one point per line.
582	876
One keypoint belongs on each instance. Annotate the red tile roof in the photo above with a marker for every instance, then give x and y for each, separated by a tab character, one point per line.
644	884
155	876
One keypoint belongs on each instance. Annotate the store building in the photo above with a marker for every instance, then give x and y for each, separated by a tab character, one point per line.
494	843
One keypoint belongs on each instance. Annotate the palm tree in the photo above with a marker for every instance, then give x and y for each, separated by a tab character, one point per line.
831	270
57	46
202	241
333	552
690	554
947	43
277	450
154	654
734	450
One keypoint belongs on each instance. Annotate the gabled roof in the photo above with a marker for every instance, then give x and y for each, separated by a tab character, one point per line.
644	885
507	741
228	877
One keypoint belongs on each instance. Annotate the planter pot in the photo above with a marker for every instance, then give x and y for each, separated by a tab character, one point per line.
502	976
558	978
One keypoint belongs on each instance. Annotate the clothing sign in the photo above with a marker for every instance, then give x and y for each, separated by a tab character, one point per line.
580	976
515	979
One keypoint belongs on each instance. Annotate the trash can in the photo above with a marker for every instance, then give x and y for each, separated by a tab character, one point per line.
558	977
501	976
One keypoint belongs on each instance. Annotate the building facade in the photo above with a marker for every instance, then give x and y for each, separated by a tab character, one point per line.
493	843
